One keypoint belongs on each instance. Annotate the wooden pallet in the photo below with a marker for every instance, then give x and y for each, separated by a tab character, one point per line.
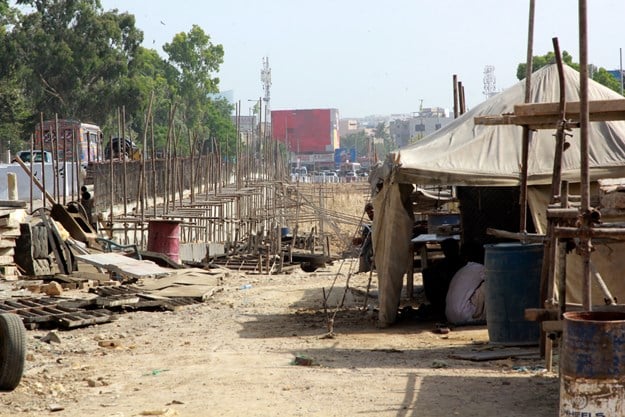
36	313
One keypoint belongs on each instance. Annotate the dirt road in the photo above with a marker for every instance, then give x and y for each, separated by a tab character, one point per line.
234	356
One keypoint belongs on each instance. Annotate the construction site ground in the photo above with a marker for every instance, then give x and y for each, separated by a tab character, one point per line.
260	347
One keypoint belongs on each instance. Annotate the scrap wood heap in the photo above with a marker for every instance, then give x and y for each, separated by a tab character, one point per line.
10	219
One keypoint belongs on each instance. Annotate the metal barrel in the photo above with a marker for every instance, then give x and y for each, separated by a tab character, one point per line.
164	237
592	364
512	279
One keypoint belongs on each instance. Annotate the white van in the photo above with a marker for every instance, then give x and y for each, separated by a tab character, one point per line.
25	156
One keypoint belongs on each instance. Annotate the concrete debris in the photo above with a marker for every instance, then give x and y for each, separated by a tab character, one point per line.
51	337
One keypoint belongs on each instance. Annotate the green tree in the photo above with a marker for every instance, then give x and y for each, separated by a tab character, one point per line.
603	77
76	57
544	60
14	105
148	73
196	59
218	124
382	133
72	59
359	141
600	75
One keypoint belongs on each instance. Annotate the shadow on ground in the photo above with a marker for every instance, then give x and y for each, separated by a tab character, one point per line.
481	396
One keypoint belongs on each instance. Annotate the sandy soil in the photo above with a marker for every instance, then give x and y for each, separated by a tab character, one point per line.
234	355
246	352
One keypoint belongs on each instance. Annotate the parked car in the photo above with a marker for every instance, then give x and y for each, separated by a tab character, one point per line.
25	156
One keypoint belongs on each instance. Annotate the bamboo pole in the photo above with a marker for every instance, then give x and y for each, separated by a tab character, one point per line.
55	158
527	133
455	82
42	149
32	148
153	165
111	184
125	173
77	163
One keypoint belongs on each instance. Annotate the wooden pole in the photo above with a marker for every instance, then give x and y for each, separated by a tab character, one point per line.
55	158
455	81
32	148
153	165
111	184
585	243
125	173
77	165
527	133
43	166
461	97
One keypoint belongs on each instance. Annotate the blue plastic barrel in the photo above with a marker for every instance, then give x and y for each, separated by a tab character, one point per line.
512	278
592	364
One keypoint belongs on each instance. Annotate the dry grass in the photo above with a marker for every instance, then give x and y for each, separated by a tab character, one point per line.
341	206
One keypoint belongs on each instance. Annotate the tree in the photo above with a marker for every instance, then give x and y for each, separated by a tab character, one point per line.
542	61
195	58
600	75
359	141
382	133
14	105
72	59
76	56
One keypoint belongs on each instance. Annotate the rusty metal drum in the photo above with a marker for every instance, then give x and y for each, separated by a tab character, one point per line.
592	364
164	237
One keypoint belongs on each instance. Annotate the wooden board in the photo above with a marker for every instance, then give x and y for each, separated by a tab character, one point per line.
199	292
124	265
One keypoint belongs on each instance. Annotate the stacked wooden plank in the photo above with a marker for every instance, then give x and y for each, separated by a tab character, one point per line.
10	219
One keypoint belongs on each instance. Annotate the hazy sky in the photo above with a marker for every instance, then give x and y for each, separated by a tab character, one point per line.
377	57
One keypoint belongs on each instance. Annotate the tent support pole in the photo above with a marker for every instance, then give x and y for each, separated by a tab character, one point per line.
527	133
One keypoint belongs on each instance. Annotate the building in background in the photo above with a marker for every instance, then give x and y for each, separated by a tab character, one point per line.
310	136
227	95
349	126
404	130
246	124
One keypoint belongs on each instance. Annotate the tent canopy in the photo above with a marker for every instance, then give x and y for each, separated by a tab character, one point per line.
463	153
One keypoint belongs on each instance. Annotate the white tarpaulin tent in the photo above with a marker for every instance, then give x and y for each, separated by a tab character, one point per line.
463	153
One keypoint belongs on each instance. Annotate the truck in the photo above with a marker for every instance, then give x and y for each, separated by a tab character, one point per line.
76	142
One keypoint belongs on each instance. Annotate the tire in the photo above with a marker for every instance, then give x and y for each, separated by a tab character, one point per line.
12	351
